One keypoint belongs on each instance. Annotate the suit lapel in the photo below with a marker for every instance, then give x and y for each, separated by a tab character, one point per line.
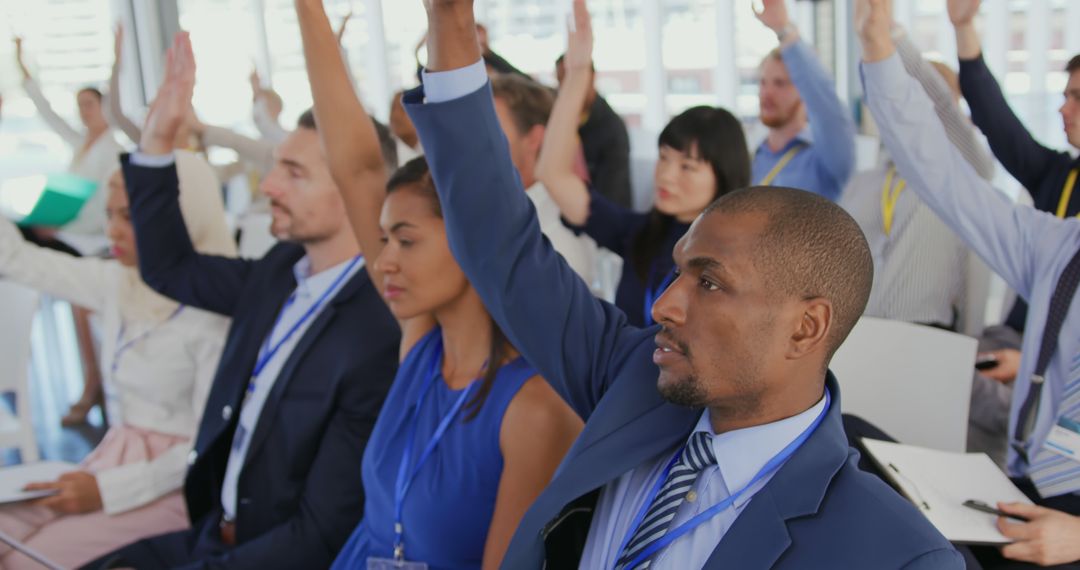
288	371
630	427
249	335
760	535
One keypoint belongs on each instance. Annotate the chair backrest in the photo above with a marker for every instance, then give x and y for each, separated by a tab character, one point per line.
18	305
912	381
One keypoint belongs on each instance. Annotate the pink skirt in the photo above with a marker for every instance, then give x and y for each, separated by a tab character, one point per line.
73	540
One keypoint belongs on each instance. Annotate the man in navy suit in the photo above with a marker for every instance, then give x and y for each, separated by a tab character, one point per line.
712	440
275	475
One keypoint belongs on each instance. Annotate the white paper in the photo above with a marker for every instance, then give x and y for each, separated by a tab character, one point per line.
14	478
938	483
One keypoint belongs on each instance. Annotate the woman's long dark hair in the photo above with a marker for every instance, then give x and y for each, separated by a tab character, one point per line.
416	177
717	136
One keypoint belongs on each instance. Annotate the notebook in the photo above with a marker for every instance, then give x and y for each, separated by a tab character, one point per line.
938	483
14	478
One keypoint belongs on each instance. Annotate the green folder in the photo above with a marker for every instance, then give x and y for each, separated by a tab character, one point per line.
49	201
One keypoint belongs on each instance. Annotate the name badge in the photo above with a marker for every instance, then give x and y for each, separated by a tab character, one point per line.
391	564
1064	439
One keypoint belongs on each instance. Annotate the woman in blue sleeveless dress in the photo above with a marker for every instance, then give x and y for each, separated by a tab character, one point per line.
470	434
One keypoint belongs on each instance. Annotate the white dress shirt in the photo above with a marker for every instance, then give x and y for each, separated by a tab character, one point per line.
309	290
579	251
161	381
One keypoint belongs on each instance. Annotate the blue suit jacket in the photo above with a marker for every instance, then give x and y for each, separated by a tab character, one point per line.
300	491
818	511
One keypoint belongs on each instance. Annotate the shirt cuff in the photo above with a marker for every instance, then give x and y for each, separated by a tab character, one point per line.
443	86
139	158
881	78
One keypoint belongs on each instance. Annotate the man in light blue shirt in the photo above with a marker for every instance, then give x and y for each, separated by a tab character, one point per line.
794	89
713	440
1030	249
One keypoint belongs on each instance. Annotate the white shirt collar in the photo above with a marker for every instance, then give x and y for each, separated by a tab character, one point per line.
742	453
308	285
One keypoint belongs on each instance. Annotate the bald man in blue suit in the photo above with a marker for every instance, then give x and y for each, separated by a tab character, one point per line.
713	439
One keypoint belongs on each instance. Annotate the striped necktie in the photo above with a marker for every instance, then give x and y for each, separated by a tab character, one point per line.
697	455
1055	474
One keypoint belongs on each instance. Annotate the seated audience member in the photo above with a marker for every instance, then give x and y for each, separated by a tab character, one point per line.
703	155
604	141
266	110
794	89
159	358
470	433
1038	255
921	265
94	155
274	478
741	430
524	108
1049	175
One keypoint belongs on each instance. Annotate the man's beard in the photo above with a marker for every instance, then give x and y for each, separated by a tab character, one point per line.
686	392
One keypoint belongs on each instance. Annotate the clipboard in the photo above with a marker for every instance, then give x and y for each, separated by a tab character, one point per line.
939	482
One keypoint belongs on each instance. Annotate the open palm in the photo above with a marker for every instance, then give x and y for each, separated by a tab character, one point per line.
170	108
579	47
963	12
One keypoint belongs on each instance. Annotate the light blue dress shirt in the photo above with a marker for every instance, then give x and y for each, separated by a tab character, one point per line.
825	167
1027	247
309	289
740	455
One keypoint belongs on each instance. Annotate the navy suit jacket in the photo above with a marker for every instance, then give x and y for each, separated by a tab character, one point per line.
818	511
300	493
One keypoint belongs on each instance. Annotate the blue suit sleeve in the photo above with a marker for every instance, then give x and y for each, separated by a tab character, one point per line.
168	261
831	125
545	309
942	559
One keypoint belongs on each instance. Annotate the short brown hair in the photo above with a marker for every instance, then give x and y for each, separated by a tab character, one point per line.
1074	64
529	102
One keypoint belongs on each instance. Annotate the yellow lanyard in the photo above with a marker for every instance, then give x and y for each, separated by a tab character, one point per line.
890	195
1066	195
784	160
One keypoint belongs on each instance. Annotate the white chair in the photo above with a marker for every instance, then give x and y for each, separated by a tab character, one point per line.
912	381
18	305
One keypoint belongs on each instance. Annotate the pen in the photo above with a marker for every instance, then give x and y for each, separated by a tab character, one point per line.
985	508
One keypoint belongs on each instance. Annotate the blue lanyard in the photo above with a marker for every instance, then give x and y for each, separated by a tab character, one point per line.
771	466
267	353
405	476
122	348
653	293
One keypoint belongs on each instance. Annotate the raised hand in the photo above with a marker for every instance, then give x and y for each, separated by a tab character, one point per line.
873	23
169	111
962	12
19	57
343	26
579	45
773	14
118	43
256	83
452	42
